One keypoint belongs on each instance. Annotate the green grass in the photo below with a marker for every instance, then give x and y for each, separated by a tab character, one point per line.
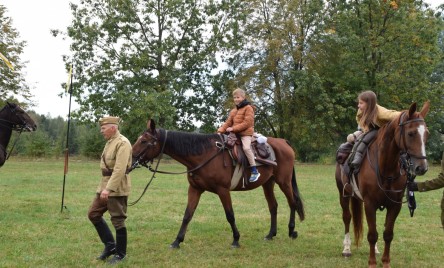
34	233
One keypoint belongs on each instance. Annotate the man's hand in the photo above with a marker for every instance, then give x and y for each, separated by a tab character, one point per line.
104	194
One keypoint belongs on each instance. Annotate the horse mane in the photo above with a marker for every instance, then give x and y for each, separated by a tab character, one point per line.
6	105
384	133
187	143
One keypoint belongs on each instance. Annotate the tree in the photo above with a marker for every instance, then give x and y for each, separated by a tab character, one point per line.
272	65
141	59
390	47
12	82
304	63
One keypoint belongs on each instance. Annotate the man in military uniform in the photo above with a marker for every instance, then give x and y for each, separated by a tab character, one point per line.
436	183
113	191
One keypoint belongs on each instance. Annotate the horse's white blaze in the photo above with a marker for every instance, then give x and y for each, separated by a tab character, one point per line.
422	131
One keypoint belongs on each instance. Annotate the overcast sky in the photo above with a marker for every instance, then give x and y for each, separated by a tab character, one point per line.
45	70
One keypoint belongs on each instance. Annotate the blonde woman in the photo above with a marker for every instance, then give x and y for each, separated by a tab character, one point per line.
370	116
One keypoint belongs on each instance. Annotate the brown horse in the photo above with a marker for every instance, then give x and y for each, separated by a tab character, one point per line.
12	117
209	168
397	152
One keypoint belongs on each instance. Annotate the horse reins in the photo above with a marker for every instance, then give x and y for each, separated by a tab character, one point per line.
144	163
137	162
405	163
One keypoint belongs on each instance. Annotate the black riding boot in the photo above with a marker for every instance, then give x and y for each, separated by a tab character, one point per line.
121	240
360	148
107	239
357	159
358	155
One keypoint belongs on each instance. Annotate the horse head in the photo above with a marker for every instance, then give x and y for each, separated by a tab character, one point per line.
147	147
17	118
413	134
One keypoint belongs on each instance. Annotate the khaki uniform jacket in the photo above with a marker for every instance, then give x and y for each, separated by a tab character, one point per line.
435	183
118	156
383	116
241	120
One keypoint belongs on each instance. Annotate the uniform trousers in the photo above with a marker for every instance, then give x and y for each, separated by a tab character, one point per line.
115	205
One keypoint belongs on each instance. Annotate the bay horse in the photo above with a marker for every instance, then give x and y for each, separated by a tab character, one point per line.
12	117
397	152
209	168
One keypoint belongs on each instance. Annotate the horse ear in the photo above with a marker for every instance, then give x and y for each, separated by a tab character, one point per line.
425	109
412	109
151	125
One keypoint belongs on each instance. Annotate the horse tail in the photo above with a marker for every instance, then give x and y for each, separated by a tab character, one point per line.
356	206
297	197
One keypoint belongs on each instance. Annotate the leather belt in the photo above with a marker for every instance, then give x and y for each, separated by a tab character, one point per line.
109	172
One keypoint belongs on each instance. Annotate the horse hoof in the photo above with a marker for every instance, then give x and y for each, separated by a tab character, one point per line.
346	255
294	235
235	245
268	238
174	246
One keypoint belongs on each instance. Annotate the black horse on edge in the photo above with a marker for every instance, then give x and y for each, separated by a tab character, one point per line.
12	117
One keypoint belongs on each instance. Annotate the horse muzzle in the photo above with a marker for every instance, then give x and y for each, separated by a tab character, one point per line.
419	167
31	128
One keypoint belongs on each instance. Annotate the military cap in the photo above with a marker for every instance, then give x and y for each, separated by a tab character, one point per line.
109	120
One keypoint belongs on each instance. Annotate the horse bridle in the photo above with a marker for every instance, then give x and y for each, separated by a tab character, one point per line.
144	163
148	146
12	125
405	155
402	136
406	165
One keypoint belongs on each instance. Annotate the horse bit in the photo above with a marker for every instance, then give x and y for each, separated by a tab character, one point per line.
406	165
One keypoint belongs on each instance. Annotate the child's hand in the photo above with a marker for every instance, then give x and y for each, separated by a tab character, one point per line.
229	129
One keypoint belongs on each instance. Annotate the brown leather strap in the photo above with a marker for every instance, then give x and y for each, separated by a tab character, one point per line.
109	172
106	172
103	158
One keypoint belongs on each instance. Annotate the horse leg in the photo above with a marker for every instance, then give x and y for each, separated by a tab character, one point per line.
344	201
372	235
225	198
346	218
390	218
193	201
2	156
287	189
272	208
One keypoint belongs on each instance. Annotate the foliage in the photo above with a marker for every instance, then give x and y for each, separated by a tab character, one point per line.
302	64
50	138
142	59
91	142
12	82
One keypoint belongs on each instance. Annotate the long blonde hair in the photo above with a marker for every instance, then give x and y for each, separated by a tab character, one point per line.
368	116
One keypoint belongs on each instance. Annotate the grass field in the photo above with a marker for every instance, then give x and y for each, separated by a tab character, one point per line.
35	233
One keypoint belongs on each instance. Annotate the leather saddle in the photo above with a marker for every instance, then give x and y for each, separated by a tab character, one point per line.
263	152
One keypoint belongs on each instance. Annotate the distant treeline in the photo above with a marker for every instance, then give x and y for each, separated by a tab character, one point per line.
84	139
